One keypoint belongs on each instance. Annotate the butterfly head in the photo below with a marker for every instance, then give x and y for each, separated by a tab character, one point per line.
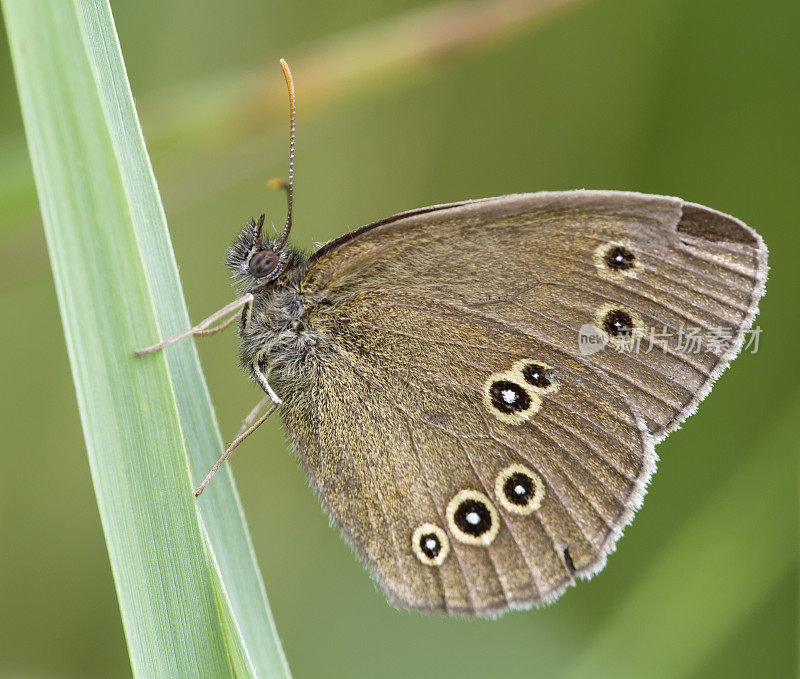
257	262
266	259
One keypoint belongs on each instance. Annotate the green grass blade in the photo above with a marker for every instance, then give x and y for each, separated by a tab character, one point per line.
190	593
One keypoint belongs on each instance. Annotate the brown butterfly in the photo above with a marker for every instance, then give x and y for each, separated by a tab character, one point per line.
432	372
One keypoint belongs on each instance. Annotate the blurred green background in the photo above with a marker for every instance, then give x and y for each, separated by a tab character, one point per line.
399	106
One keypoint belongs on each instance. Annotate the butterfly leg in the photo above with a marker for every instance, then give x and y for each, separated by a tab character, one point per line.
253	414
234	445
206	326
261	378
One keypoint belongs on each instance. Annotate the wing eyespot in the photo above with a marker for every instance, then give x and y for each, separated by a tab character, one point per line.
537	375
519	490
619	258
472	518
506	396
430	544
509	397
515	396
619	324
616	261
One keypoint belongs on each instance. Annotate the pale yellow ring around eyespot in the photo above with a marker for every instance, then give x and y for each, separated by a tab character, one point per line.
486	538
535	501
444	541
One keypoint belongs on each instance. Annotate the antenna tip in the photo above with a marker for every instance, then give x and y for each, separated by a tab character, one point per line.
277	183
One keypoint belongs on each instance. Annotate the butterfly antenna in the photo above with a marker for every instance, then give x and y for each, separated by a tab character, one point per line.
258	226
290	185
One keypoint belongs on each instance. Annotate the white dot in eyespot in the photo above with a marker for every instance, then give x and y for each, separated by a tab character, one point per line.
431	544
519	490
473	518
509	396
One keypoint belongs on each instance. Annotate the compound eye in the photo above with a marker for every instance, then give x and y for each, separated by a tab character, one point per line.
263	263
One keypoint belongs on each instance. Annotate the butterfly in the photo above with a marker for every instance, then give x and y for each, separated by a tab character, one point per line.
435	375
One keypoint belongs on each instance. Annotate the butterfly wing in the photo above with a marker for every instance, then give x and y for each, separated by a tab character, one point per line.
538	260
475	458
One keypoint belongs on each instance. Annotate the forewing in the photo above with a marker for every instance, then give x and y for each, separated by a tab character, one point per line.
536	261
